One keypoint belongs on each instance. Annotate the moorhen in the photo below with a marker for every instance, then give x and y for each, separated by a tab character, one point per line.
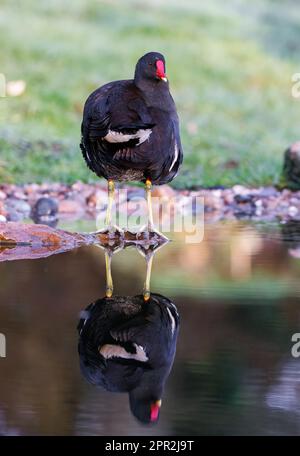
127	345
130	131
146	250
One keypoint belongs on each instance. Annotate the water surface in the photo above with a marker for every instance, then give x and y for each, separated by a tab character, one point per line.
238	296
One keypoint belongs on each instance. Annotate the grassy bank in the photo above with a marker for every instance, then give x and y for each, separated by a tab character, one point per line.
229	65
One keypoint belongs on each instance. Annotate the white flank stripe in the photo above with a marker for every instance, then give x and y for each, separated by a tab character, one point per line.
175	156
112	351
117	137
173	324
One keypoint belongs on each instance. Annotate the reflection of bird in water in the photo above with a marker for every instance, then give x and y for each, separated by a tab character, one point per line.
146	249
130	131
290	234
127	344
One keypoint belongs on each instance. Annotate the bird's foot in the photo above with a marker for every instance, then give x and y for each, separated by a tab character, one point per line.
113	232
150	233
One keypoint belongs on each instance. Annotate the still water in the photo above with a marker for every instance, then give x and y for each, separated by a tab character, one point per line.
238	297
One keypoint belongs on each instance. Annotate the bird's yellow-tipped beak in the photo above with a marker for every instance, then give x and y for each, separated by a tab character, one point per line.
109	292
160	70
155	411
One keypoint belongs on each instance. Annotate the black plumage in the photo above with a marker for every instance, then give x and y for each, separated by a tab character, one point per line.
45	211
128	345
130	128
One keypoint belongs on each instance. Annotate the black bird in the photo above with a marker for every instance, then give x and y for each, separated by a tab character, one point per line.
45	211
128	345
130	130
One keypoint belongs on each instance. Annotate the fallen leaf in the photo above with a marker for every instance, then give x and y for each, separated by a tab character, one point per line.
15	88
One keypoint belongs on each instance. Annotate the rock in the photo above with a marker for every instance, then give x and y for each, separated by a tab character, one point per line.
99	199
163	191
266	192
45	212
291	167
243	198
14	216
20	195
228	197
244	210
2	208
32	188
135	193
70	209
17	209
292	211
2	218
240	190
217	193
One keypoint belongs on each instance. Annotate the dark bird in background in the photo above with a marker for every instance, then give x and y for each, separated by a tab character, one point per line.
130	130
45	211
291	167
128	345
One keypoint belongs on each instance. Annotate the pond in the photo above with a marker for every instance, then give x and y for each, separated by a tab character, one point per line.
238	297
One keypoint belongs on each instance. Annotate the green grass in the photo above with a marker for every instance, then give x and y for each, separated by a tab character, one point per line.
229	64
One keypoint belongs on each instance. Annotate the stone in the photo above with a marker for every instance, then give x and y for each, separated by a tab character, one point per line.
163	191
292	211
291	167
70	209
14	216
135	193
17	209
240	189
266	192
243	198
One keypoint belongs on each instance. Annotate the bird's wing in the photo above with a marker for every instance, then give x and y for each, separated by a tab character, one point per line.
115	121
167	141
132	330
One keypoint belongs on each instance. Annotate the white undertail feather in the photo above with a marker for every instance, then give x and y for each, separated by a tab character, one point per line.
175	156
173	324
117	137
112	351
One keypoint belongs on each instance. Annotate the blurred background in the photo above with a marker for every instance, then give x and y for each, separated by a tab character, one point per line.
229	64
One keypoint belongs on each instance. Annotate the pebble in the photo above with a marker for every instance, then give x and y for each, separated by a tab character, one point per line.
86	200
292	211
70	209
243	198
17	209
163	191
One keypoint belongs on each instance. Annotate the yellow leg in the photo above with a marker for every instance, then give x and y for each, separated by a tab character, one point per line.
149	261
109	282
111	197
148	187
